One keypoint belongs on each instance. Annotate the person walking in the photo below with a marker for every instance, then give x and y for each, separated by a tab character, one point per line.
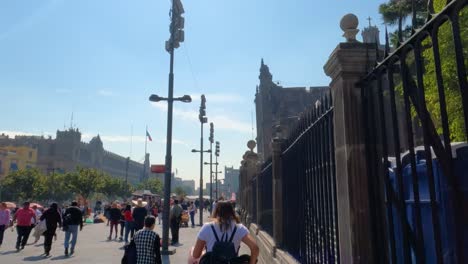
114	218
174	215
52	218
139	214
226	225
192	210
4	220
147	243
160	213
122	221
23	219
72	219
129	223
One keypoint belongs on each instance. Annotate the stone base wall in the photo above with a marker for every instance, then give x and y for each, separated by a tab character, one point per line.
269	253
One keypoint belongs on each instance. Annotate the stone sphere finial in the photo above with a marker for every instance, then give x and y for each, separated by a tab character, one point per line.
251	144
349	24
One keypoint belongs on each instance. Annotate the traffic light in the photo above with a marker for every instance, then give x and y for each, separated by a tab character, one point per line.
177	26
202	115
211	133
217	149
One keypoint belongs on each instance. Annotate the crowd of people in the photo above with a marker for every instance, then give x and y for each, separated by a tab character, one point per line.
44	222
136	224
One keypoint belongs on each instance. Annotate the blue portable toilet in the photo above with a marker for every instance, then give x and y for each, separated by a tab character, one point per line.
443	200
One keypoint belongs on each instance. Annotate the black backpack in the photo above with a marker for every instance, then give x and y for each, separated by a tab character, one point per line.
224	250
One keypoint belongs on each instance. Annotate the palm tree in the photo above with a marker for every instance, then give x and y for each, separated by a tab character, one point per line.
396	12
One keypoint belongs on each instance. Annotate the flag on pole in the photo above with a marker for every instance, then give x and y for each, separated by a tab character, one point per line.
149	136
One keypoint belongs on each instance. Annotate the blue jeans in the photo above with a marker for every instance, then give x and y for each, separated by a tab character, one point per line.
192	218
71	231
129	227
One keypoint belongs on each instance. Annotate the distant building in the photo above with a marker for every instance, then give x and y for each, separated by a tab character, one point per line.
231	179
13	158
67	151
279	106
189	185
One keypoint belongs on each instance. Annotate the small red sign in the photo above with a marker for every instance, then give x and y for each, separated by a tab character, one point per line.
158	168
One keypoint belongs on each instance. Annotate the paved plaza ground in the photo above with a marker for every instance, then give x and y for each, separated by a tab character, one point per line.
92	247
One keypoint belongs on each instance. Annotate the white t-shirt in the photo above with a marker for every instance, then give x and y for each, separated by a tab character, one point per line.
206	234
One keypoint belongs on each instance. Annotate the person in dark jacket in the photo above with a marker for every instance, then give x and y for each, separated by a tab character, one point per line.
139	214
72	218
53	218
114	218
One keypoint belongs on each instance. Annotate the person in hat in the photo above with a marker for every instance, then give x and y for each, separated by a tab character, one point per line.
139	214
53	219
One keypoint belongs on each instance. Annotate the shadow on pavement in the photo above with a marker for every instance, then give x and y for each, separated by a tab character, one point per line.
61	257
9	252
34	258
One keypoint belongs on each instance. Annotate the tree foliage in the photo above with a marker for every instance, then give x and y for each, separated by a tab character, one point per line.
33	185
180	191
396	11
23	185
152	184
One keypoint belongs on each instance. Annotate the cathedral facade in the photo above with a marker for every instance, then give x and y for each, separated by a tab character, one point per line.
278	108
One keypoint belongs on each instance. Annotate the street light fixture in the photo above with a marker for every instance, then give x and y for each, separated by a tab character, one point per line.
157	98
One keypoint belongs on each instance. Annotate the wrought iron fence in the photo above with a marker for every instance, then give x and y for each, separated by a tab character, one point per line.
265	183
416	112
310	224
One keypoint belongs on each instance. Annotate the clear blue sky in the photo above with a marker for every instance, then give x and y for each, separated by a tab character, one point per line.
102	59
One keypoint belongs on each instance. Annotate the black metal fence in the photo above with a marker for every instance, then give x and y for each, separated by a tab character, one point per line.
310	213
265	182
416	111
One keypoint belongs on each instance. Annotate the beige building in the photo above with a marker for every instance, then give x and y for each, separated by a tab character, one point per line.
13	158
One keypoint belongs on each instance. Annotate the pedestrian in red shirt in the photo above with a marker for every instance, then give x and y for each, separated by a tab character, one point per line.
23	224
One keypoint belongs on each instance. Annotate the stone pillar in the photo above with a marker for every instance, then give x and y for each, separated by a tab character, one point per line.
277	173
250	166
346	66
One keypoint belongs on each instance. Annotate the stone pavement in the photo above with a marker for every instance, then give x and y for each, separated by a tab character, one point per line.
92	247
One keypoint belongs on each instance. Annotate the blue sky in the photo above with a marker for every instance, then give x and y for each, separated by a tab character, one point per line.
102	59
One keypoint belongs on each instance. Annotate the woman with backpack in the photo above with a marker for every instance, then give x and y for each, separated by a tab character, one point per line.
222	238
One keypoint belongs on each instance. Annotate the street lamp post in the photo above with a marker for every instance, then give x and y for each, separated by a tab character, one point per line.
216	179
211	163
203	119
177	36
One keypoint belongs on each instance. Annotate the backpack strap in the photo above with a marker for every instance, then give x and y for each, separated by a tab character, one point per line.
214	232
233	233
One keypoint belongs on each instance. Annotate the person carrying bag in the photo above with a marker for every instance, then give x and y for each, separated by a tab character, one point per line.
222	238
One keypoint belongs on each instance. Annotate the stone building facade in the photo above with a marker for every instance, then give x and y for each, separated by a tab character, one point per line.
67	151
278	106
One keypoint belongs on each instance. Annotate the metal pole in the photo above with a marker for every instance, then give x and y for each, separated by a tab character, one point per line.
211	176
216	180
167	175
201	173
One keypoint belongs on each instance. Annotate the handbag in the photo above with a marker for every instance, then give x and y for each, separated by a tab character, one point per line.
130	253
40	228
